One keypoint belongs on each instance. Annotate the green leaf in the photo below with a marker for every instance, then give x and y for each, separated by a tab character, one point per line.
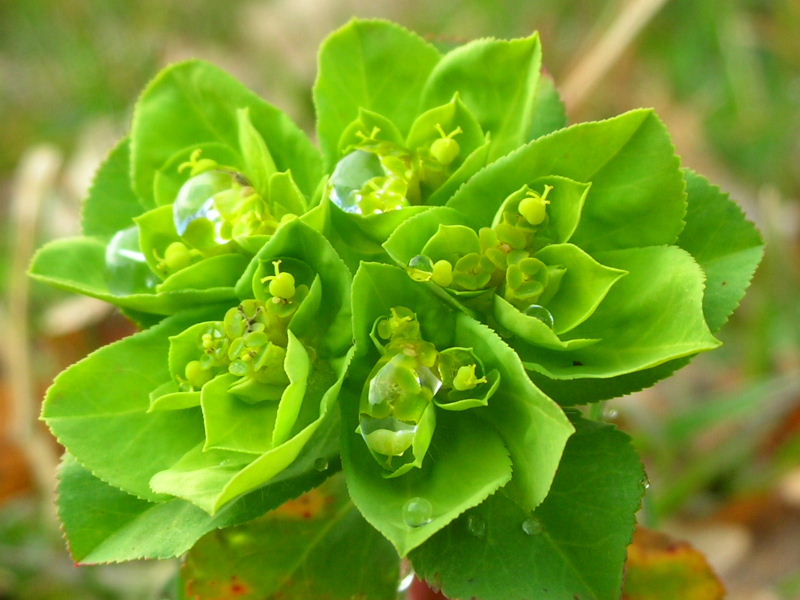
577	540
79	265
651	316
583	287
258	163
111	204
497	81
193	103
465	463
104	524
317	546
211	479
410	237
375	65
533	427
532	330
232	424
726	245
97	408
549	113
325	326
637	194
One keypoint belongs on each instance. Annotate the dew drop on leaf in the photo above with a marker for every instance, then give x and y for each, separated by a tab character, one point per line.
417	512
476	525
540	312
349	176
420	268
531	526
195	201
126	267
321	464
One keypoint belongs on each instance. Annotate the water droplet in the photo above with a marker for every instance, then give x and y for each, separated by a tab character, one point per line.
646	482
405	582
126	267
540	312
420	268
476	525
531	526
417	512
610	414
195	204
321	464
388	436
349	176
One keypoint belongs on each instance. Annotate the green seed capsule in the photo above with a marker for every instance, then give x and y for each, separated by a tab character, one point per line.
445	150
465	378
177	256
196	375
442	273
282	286
534	207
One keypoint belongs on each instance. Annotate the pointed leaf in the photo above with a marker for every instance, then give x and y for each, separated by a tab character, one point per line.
194	102
573	546
651	316
111	204
726	245
369	64
637	195
497	81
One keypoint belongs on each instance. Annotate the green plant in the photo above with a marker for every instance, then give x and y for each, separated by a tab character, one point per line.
423	304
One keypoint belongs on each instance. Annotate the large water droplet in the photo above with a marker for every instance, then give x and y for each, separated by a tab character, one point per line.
126	267
321	464
476	525
402	387
417	512
387	436
540	312
420	268
349	176
195	202
531	526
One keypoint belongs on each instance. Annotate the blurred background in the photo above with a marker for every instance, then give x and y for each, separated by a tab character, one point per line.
721	440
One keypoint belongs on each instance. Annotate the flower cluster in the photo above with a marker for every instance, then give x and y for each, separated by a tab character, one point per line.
414	304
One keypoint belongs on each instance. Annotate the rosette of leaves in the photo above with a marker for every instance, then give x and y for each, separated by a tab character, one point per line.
400	134
176	212
439	413
207	406
578	248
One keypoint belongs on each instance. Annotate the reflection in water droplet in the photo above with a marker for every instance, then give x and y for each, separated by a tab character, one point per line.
388	436
531	526
126	268
195	202
541	313
349	176
417	512
405	582
610	414
420	268
321	464
476	525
